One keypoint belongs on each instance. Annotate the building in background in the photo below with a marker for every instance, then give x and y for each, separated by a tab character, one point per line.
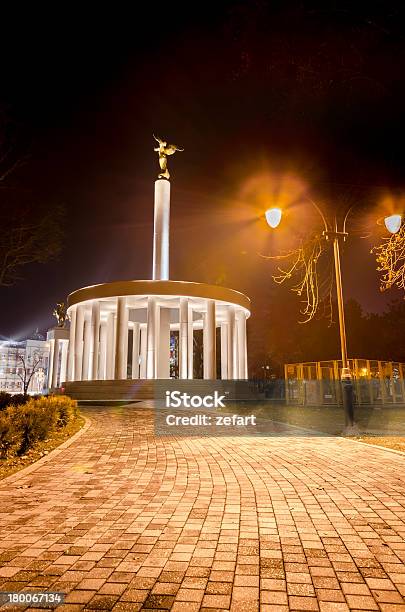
19	359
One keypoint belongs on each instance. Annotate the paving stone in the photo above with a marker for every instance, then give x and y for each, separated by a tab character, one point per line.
102	602
123	520
160	602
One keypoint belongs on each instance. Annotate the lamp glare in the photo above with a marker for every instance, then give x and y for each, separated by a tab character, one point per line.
393	223
273	217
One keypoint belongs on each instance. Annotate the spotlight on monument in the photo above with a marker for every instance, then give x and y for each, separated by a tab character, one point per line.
393	223
273	217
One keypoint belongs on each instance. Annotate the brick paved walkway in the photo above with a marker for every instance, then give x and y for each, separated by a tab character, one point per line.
121	520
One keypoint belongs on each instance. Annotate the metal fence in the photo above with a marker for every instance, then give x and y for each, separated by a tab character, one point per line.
319	383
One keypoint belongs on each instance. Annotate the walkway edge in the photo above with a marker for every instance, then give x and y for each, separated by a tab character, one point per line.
33	466
384	448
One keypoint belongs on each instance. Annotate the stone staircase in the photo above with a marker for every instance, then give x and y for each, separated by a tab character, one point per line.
113	390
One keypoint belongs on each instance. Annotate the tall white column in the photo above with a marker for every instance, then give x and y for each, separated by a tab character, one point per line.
209	340
110	347
121	343
246	376
235	352
103	351
95	332
50	362
71	356
231	341
63	362
151	338
79	342
241	324
183	338
135	350
114	340
190	337
161	230
55	365
235	349
163	344
142	368
224	351
86	367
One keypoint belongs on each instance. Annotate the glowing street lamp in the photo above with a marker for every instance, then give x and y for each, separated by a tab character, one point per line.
273	217
393	223
331	232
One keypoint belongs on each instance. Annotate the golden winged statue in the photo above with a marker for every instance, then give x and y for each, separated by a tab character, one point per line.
60	314
164	150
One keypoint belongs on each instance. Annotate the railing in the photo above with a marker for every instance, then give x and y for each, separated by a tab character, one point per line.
319	383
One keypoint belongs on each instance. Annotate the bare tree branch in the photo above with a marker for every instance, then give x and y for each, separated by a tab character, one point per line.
26	377
390	257
28	233
25	239
312	285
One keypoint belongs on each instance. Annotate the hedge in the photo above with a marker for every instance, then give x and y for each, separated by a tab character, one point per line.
21	426
16	399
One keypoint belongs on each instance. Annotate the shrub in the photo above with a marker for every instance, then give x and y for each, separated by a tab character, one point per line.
10	434
66	407
5	399
18	399
24	424
36	419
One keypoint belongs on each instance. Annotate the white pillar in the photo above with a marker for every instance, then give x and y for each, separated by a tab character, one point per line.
121	343
241	324
86	368
231	341
190	366
103	351
161	230
209	340
71	356
246	359
63	362
95	332
142	367
183	338
224	351
151	338
235	351
55	364
135	350
50	362
114	342
163	344
79	342
110	347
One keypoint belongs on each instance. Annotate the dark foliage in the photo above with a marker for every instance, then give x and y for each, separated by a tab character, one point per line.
275	337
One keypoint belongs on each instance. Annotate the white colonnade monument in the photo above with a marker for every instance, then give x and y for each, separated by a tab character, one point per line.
146	329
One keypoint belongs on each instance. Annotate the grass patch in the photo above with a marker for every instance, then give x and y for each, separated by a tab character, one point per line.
392	442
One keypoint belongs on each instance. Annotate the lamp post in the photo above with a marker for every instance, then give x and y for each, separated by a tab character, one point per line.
346	377
332	233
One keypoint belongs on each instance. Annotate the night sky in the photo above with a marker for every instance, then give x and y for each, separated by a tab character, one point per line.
268	99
